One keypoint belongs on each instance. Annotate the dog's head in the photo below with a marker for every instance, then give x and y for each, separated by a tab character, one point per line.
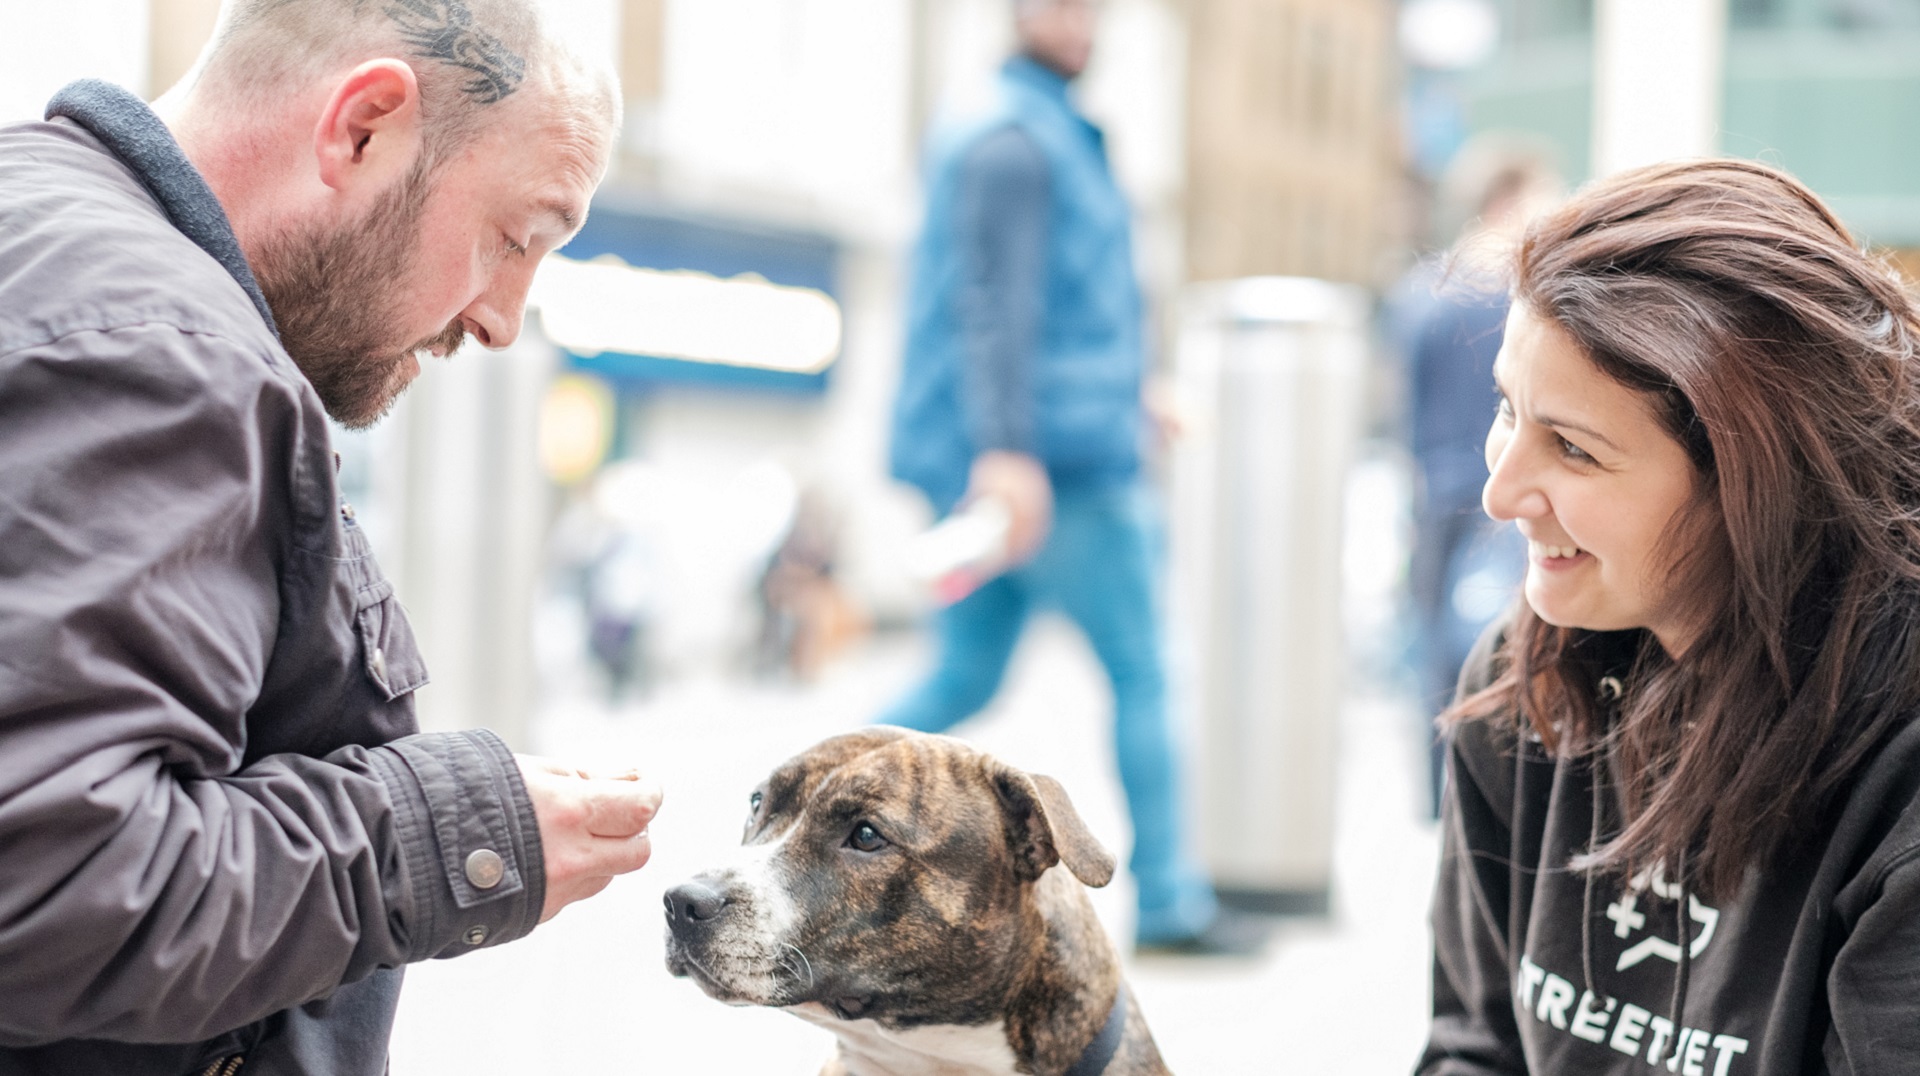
883	874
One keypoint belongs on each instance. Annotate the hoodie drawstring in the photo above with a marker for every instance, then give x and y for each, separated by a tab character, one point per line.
1610	692
1586	897
1686	942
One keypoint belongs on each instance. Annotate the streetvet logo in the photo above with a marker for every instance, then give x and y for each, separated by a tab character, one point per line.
1628	920
1557	1002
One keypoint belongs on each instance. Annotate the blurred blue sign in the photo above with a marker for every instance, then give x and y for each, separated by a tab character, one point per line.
647	295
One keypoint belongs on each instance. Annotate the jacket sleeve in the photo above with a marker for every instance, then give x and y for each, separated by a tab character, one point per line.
1002	226
1473	1031
152	888
1870	986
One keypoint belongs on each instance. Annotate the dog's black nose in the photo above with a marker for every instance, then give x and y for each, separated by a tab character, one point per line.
694	903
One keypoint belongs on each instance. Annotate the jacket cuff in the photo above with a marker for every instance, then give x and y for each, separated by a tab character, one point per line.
469	839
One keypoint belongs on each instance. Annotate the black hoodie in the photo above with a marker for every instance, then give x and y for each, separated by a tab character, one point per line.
1812	967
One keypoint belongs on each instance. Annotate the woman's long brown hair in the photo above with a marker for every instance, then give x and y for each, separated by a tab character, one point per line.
1784	359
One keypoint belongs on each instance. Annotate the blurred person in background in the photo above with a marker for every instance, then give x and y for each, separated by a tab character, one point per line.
805	615
1684	788
1464	567
222	834
1022	387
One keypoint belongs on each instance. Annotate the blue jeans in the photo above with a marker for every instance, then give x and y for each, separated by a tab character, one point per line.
1098	567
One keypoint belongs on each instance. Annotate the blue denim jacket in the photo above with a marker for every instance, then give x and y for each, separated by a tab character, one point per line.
1086	354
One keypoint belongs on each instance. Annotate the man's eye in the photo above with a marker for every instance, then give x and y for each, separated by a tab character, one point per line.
513	247
865	838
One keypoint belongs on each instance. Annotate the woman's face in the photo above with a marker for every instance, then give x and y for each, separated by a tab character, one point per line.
1581	464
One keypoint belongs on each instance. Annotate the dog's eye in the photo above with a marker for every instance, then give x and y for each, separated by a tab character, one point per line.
753	803
865	838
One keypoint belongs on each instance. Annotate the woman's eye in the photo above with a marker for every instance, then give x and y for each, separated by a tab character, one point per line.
865	838
1574	452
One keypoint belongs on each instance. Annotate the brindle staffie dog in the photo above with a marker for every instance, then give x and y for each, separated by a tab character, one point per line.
899	890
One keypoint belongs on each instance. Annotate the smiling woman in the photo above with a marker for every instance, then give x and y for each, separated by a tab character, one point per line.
1582	464
1685	778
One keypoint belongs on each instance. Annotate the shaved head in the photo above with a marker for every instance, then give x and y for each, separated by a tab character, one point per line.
394	171
472	58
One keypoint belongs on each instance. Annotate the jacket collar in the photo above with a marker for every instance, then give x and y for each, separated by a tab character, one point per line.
1030	76
1035	75
131	131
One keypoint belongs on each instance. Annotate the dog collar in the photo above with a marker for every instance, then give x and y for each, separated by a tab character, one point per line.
1094	1059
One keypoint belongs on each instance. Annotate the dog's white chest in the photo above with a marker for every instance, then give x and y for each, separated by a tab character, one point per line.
867	1049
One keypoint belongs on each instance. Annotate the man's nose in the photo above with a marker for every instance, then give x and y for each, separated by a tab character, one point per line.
494	319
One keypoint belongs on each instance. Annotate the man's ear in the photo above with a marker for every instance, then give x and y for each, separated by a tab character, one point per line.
369	128
1044	829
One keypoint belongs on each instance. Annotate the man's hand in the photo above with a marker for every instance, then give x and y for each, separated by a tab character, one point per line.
593	826
1020	482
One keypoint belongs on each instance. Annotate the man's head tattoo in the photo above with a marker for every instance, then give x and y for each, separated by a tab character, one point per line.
443	30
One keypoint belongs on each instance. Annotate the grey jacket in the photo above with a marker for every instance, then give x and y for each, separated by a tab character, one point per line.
219	831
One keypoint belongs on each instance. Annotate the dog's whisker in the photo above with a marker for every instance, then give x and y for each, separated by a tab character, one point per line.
806	962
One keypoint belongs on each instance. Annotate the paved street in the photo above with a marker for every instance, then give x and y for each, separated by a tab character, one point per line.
587	993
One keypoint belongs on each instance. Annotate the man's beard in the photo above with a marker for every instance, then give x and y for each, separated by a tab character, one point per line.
336	299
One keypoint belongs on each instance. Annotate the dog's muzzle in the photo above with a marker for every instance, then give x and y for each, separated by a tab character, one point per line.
692	908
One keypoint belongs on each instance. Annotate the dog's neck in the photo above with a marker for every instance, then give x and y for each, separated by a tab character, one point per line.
869	1048
1062	998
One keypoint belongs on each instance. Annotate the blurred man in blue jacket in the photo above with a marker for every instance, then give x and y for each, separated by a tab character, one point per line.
1465	569
1022	385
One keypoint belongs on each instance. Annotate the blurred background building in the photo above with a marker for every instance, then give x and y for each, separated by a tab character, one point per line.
1823	88
716	349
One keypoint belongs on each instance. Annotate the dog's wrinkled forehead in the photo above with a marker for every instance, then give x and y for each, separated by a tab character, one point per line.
877	769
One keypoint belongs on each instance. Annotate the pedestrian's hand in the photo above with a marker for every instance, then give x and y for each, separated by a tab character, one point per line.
593	826
1020	482
1170	413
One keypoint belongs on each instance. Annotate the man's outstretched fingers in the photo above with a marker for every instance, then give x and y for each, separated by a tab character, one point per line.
625	855
620	808
593	829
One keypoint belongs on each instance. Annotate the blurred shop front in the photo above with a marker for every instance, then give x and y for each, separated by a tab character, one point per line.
714	342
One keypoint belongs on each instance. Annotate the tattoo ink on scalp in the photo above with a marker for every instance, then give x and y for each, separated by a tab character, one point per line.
443	30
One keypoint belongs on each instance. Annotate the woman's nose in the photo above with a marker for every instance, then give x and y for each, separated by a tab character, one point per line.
1511	491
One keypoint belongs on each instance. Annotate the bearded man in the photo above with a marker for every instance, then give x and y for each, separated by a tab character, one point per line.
222	835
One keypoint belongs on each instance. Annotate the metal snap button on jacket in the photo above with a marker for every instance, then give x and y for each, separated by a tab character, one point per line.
476	935
485	869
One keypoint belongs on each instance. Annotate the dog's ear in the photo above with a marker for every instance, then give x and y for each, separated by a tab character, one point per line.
1044	829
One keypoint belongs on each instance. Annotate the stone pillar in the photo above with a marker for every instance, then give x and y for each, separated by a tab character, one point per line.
472	510
1657	80
643	47
179	29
